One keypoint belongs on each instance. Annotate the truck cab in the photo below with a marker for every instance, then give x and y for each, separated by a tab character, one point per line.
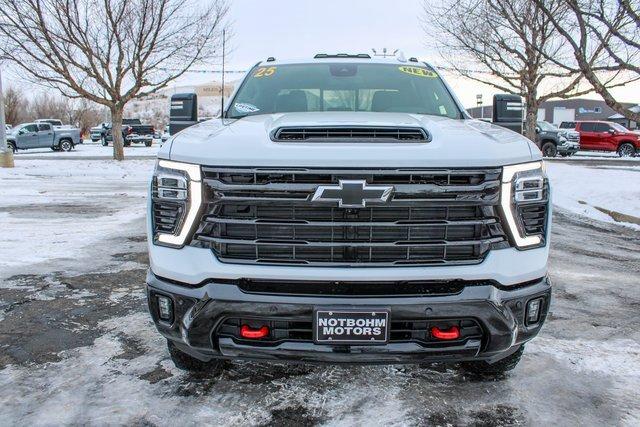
608	136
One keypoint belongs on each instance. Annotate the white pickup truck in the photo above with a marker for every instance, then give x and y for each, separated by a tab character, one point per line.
346	209
42	135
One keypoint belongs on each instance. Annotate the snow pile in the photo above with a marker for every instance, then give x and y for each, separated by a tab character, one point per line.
597	192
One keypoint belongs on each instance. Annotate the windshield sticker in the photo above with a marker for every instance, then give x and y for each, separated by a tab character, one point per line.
245	108
265	72
416	71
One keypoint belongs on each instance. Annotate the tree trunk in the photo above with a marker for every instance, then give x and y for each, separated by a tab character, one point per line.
531	118
116	132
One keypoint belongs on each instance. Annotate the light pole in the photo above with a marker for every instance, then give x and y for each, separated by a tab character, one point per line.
6	155
479	104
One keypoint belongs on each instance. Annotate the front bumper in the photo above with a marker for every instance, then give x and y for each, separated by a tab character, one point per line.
568	148
199	312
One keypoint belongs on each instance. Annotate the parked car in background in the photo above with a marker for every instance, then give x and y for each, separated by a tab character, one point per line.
165	134
133	131
42	135
97	132
608	136
553	141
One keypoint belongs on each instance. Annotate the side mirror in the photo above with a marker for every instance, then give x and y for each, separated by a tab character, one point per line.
508	111
537	129
612	131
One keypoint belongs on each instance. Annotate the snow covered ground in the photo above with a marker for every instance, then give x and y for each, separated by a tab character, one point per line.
89	149
77	345
598	192
55	212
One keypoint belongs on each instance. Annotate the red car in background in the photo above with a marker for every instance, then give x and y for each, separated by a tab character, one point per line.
608	136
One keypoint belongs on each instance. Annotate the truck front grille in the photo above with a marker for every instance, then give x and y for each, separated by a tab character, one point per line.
267	216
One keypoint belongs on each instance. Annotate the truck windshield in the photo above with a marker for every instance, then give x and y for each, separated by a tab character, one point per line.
618	127
546	126
343	87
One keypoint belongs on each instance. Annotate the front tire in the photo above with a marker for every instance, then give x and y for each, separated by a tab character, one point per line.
626	149
549	149
189	363
11	146
148	143
65	145
502	366
105	142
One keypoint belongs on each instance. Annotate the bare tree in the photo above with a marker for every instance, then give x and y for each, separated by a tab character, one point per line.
604	38
109	51
505	44
15	107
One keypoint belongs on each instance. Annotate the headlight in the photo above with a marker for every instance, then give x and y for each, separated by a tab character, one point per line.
176	200
524	200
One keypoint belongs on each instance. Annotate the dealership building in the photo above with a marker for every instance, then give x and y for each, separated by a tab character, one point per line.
569	110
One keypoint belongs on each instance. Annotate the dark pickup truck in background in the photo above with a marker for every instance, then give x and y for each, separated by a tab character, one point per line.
133	131
553	141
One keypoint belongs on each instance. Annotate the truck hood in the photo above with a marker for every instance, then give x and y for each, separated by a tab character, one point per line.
247	142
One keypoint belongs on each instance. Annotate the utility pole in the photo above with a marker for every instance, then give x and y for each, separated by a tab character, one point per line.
6	155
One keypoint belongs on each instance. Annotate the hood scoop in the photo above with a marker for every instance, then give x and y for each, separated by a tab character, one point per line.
350	134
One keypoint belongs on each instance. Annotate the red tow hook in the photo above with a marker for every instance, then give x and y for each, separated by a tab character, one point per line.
248	332
453	333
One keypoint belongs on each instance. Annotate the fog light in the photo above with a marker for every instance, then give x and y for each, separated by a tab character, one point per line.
533	311
165	308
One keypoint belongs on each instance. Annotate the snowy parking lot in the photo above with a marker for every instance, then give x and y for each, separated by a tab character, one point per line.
77	345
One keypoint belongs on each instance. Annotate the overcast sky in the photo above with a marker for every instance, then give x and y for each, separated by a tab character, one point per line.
302	28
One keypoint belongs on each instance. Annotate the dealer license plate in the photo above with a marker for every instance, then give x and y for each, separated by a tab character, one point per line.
353	327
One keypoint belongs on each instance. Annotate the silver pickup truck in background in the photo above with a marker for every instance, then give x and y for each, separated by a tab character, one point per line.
42	135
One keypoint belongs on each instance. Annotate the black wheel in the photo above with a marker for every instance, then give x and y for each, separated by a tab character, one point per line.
482	368
127	143
65	145
549	149
626	149
11	146
105	142
148	143
189	363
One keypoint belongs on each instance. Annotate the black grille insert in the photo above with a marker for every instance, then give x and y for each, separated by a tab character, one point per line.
337	134
267	216
359	289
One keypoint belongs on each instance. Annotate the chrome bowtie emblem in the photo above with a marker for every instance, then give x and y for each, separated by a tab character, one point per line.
353	193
